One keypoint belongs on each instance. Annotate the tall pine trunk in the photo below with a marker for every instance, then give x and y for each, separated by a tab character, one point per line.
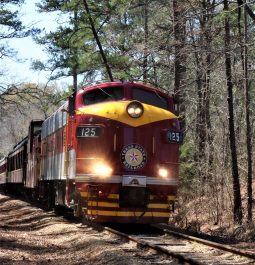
99	45
75	51
237	209
248	122
203	64
180	57
146	35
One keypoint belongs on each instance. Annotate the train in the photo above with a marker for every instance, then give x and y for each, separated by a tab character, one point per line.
110	153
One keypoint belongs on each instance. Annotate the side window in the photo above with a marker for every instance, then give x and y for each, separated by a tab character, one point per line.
103	95
151	98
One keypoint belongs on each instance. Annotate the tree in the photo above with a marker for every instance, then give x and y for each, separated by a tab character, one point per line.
237	209
38	105
65	45
246	8
180	56
102	53
73	46
11	26
201	28
247	118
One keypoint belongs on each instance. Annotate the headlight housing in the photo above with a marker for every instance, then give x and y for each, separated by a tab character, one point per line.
135	109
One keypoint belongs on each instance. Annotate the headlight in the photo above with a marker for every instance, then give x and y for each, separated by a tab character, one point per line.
102	170
163	172
135	109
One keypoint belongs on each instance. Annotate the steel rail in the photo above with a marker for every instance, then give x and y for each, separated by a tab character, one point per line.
220	246
180	257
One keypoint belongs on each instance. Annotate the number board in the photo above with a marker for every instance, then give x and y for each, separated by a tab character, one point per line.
174	137
88	131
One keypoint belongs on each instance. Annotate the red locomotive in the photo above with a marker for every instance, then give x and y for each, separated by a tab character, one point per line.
111	154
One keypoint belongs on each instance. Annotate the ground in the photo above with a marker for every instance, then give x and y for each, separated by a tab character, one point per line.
29	235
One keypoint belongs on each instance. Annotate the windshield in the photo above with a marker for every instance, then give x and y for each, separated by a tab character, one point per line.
150	97
102	95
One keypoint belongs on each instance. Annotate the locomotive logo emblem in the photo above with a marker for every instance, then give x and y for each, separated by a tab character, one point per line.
133	156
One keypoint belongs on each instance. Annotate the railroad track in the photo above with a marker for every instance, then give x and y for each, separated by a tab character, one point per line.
187	249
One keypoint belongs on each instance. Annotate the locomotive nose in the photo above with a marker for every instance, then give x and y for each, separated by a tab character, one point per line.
135	109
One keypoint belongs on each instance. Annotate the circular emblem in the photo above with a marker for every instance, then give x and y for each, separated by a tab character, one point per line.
133	156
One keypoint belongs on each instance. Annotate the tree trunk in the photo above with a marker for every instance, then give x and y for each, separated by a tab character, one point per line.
247	9
203	72
100	47
146	34
237	211
180	57
248	123
75	67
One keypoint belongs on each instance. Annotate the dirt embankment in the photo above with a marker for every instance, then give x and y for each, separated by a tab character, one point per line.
29	235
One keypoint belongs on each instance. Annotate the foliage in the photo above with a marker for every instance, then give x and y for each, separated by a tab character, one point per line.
188	171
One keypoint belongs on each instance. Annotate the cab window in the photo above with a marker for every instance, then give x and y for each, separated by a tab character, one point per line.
150	97
103	95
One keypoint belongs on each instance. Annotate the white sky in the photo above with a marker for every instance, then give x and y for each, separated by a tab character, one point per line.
27	49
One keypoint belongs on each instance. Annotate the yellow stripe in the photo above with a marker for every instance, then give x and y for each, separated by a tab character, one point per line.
158	206
110	196
116	205
171	198
113	196
117	111
127	214
116	196
103	204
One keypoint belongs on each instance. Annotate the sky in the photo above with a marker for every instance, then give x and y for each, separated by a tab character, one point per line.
27	49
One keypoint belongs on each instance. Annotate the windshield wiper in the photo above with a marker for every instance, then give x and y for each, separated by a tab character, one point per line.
105	93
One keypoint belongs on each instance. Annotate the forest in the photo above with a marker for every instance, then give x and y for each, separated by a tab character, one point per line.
201	52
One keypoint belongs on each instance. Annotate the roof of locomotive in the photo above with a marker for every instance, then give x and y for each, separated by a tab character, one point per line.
123	84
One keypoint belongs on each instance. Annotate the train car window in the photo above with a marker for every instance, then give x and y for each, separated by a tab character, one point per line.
37	129
103	95
47	127
60	114
12	164
21	159
17	161
150	97
64	117
44	130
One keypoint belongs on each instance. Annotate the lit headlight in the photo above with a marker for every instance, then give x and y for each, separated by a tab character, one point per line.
135	109
102	170
163	172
